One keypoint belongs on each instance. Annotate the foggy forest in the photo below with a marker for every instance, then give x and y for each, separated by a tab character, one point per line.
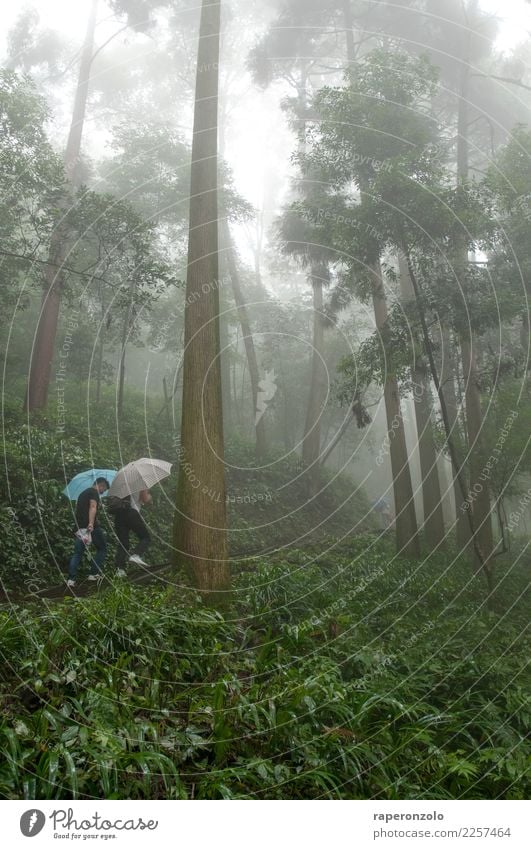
266	399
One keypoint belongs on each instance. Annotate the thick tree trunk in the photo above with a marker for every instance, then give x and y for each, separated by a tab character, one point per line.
431	488
200	532
46	331
248	341
311	443
407	540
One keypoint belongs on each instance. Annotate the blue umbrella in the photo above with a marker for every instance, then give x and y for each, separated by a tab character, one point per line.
83	480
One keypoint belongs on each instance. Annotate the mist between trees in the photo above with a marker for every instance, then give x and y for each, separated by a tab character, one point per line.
283	246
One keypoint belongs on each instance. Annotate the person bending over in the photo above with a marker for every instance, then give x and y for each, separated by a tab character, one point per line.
126	520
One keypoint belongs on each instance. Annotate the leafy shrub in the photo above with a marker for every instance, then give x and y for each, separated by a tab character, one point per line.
348	675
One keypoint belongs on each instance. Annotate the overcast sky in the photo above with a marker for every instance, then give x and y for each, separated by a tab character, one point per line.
254	149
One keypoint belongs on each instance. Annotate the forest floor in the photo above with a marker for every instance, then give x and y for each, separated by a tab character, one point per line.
345	673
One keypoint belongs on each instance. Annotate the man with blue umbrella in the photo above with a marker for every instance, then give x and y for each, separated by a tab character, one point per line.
88	527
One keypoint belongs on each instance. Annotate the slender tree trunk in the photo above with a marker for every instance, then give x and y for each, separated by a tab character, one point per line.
349	30
448	376
481	559
46	331
248	341
99	370
101	347
524	338
259	228
125	333
481	506
431	488
242	389
407	540
338	436
173	393
311	443
319	272
234	386
200	532
286	418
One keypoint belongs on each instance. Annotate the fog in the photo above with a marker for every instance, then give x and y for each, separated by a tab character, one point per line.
266	402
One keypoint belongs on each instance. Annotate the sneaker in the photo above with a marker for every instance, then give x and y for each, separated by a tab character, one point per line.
70	583
121	573
135	558
95	577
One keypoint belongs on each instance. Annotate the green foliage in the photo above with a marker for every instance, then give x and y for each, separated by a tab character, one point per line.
31	180
266	508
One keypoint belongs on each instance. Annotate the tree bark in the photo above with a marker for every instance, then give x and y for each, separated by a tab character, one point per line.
407	540
431	488
200	532
338	436
311	443
44	343
349	30
248	341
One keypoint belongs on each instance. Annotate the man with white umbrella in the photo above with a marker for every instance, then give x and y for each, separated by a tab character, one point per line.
128	494
126	520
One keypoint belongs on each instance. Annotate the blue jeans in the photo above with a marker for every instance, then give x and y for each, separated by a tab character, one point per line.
96	562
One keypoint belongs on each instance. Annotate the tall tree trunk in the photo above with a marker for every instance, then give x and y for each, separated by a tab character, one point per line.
101	348
248	341
319	272
286	417
200	532
311	443
481	506
99	370
431	488
458	472
407	540
46	331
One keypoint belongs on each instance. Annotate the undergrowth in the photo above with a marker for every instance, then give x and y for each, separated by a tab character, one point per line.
346	674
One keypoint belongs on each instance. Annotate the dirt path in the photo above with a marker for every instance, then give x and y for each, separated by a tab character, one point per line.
85	587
